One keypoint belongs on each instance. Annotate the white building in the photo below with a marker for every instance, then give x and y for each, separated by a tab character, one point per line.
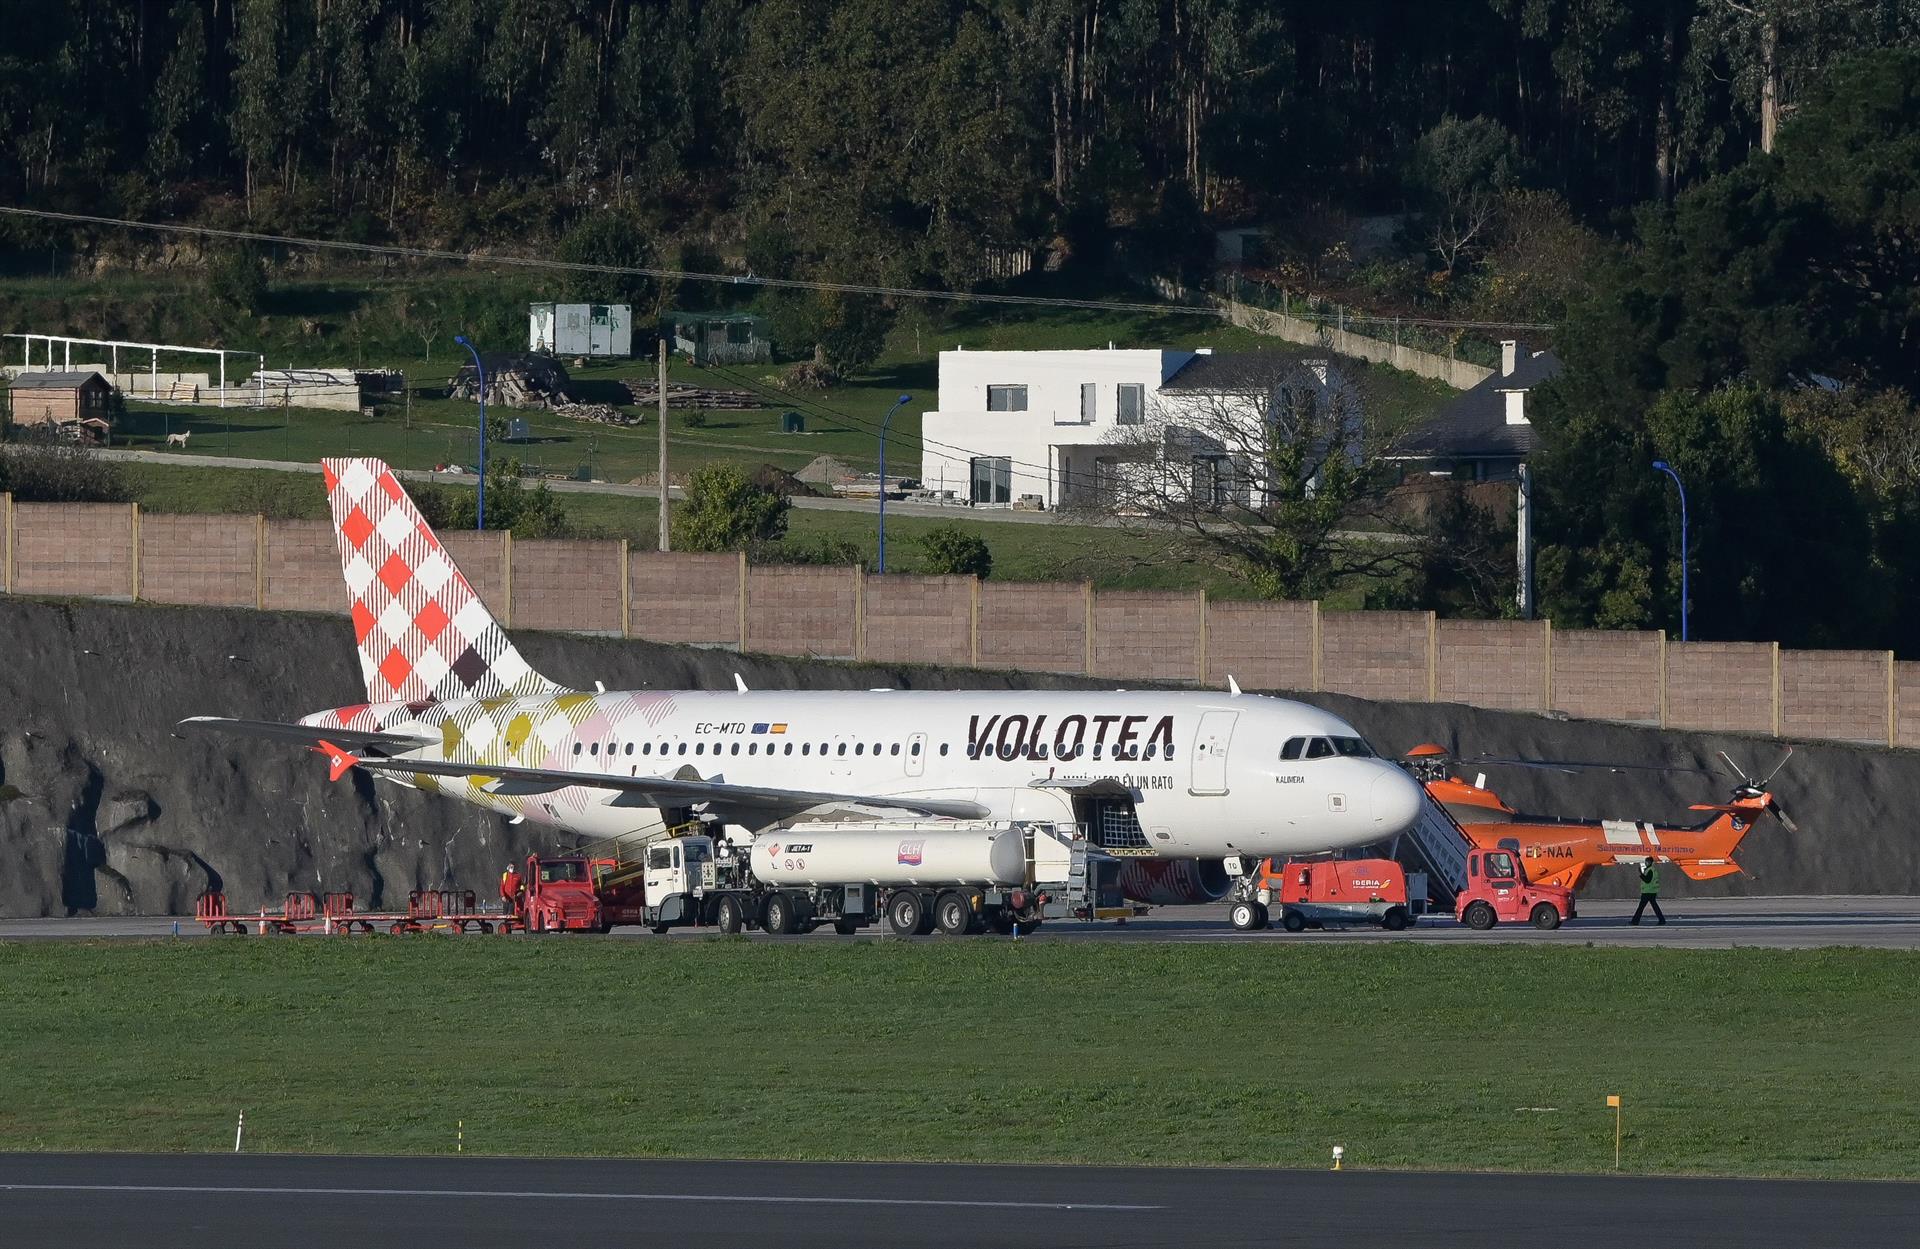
1044	424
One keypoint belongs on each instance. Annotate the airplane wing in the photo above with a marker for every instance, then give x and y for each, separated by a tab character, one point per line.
663	791
307	734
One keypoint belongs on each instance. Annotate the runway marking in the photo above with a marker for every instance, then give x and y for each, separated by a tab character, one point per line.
755	1199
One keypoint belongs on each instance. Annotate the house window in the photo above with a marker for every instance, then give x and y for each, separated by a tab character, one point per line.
1089	402
1132	400
1213	480
1006	398
992	479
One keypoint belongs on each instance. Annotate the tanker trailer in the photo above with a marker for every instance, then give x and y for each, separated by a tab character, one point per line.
957	876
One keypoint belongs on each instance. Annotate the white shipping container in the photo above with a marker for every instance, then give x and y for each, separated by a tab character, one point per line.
593	330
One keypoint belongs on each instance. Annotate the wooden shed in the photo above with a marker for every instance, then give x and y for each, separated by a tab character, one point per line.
60	399
719	337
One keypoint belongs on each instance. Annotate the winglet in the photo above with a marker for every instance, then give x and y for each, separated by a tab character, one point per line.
1233	687
739	683
339	762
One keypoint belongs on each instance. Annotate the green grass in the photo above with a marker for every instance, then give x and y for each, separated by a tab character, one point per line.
1742	1061
1110	558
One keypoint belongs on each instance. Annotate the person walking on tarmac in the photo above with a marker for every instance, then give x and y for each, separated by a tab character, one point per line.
510	886
1649	892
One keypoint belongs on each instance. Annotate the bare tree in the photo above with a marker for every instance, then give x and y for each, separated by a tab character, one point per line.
1274	474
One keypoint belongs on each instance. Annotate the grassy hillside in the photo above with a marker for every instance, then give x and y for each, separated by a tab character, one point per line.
1747	1061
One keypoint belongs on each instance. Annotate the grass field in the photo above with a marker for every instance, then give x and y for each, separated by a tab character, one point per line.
1110	558
1743	1061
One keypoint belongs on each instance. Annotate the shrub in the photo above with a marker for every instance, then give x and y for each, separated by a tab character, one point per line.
949	550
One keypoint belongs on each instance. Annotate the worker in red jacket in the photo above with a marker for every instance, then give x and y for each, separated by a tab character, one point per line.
510	886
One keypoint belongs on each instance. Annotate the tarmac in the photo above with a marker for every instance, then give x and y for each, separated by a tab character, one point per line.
88	1200
1882	922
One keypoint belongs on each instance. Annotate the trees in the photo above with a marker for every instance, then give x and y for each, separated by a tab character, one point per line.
619	239
1461	170
1266	476
726	511
951	551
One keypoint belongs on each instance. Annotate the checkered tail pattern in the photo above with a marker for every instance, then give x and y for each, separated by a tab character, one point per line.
424	635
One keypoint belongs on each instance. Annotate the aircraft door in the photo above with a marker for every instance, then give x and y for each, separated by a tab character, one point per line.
1210	742
916	754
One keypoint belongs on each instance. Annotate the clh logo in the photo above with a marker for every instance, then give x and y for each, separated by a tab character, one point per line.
911	853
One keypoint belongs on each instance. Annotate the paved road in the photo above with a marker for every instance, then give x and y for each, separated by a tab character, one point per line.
82	1201
1706	923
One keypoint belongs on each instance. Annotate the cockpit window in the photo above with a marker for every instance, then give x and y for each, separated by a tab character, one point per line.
1353	748
1293	748
1319	748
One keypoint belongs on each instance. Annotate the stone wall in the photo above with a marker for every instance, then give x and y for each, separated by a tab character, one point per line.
117	551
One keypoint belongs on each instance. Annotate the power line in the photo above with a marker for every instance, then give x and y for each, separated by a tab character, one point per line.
729	279
678	275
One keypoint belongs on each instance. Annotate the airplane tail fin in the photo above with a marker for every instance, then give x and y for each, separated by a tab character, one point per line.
422	631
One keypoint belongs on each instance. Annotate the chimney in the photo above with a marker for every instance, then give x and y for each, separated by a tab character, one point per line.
1509	353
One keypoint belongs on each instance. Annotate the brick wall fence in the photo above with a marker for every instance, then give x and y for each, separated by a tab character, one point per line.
117	551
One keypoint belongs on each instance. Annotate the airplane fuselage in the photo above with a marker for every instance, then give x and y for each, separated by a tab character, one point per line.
1204	772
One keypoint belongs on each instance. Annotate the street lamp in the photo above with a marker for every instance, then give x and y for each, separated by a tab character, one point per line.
480	373
1661	466
884	422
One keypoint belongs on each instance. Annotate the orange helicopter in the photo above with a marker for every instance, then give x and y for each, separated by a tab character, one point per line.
1563	852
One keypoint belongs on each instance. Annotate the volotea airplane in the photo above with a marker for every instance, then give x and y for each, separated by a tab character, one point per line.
1564	852
452	708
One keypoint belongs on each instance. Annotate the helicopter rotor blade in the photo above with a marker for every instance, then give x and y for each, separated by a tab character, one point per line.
1780	813
1777	767
1732	767
1571	766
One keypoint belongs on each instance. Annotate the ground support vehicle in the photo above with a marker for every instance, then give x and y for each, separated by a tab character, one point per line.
1312	893
428	910
561	894
1498	891
955	876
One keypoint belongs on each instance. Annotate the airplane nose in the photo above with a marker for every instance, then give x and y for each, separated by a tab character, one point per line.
1396	800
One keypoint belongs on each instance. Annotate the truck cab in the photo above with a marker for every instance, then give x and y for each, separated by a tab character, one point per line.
560	896
675	876
1498	891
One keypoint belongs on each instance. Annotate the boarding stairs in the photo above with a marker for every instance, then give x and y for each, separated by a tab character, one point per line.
1439	845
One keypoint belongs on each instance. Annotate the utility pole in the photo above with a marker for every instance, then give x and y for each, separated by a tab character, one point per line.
664	544
1524	519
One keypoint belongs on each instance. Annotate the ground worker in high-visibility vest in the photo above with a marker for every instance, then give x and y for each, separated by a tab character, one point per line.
510	887
1649	892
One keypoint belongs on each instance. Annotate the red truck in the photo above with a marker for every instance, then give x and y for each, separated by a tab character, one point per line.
1316	892
559	896
1498	891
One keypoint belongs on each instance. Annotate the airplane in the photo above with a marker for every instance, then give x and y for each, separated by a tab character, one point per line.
1558	851
452	708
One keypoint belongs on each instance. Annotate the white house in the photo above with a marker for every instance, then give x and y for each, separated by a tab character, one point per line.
1044	424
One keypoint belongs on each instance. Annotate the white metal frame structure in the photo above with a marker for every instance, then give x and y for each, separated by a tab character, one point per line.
68	343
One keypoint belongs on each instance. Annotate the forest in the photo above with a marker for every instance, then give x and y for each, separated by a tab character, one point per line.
1716	203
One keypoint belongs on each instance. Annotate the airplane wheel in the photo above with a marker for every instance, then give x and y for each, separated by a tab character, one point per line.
952	913
1395	919
1293	921
904	914
731	920
1546	916
1479	916
1245	916
780	916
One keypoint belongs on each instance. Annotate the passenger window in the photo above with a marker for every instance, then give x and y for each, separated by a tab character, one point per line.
576	748
943	748
788	750
806	748
753	748
629	747
1293	748
843	748
895	750
646	748
683	748
1319	748
699	748
914	750
859	748
1150	749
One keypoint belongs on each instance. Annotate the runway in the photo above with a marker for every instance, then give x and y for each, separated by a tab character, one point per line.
1883	922
83	1201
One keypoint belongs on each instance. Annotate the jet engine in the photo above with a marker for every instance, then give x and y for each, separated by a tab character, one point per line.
1174	882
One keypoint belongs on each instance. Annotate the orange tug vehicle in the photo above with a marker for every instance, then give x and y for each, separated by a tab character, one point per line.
1312	893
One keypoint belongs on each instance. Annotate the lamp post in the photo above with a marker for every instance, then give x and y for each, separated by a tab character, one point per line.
480	374
884	422
1661	466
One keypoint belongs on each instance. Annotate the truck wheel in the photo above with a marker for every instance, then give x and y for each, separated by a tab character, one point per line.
1546	916
1293	921
780	916
904	914
1479	915
846	927
658	930
1395	919
1245	916
730	919
952	913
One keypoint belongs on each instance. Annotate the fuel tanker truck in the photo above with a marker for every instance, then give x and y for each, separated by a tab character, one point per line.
956	876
